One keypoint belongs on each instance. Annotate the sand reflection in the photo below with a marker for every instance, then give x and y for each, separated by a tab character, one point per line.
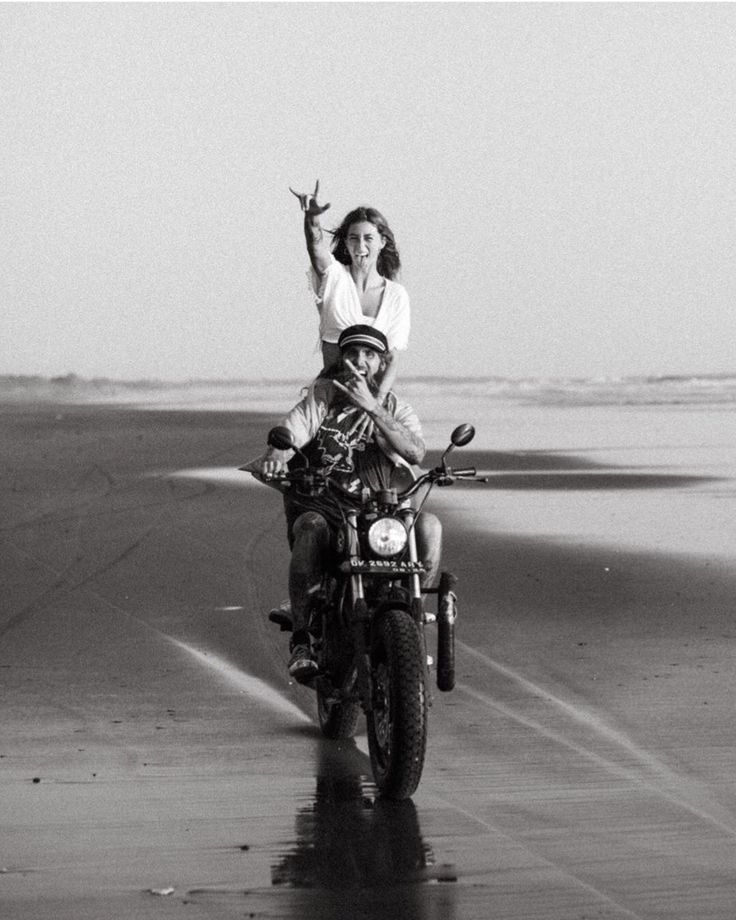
357	855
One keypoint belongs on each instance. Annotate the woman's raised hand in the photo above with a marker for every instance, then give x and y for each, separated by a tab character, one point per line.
308	201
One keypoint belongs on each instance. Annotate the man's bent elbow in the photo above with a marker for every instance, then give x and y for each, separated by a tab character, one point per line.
416	453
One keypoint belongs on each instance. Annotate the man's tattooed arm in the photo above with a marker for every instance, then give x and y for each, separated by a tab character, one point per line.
404	441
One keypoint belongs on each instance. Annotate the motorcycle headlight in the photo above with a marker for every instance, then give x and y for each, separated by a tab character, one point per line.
387	536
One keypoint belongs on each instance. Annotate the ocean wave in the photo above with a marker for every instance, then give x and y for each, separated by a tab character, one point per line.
692	389
641	390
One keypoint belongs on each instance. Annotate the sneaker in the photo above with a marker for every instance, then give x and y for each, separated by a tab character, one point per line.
302	665
281	616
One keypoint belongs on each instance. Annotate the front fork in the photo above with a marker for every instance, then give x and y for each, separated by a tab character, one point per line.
446	617
417	601
415	583
359	616
360	609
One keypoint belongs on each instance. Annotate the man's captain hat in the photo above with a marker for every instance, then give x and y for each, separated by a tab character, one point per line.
363	335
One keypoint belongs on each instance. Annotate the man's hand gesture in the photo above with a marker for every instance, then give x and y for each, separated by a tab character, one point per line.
356	389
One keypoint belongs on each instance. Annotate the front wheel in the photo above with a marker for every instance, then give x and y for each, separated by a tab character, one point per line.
397	721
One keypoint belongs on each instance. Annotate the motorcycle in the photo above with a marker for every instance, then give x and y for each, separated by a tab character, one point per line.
368	624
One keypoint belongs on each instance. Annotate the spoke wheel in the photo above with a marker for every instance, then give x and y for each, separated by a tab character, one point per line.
397	722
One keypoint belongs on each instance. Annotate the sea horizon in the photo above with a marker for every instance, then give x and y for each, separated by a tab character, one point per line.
72	379
715	388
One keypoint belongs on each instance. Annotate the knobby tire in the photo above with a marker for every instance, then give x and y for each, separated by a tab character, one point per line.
397	722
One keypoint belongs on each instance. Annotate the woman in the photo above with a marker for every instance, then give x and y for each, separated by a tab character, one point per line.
353	281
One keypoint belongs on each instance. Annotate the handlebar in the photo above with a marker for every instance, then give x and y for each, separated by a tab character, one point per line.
442	476
463	474
303	475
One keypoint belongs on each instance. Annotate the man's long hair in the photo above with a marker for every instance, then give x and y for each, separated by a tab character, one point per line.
389	263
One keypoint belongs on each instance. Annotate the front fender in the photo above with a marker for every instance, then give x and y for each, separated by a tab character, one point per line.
385	606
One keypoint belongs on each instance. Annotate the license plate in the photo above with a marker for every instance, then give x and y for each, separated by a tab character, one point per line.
382	567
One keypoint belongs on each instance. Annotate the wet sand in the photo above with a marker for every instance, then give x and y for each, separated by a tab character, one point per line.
151	739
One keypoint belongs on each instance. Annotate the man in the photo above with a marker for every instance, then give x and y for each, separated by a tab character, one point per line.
329	428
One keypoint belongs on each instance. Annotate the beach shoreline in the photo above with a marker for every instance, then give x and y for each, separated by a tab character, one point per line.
596	584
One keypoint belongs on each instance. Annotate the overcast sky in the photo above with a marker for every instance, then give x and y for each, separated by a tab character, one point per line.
559	177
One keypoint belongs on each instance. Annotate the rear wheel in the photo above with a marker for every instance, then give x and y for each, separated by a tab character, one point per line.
397	721
337	718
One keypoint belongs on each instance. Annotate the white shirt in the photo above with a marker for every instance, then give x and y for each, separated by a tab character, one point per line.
338	304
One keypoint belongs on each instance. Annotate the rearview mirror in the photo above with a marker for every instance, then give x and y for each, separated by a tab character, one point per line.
462	435
281	438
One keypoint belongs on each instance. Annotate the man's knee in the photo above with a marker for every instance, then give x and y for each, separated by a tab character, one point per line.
311	527
429	532
429	545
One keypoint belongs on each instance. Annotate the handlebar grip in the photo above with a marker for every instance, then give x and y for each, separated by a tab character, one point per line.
470	471
275	477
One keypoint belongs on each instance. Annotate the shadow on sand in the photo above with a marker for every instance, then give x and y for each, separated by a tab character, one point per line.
549	470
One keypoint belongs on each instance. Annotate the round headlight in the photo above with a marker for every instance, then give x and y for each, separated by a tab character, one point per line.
387	536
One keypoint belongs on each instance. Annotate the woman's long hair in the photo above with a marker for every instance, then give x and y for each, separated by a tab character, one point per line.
389	263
